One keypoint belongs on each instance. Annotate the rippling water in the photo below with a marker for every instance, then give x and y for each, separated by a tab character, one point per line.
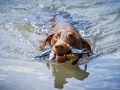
22	27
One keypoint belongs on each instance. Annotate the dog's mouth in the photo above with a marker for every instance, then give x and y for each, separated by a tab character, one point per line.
60	58
60	54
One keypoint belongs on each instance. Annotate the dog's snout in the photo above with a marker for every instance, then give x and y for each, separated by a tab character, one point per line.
60	47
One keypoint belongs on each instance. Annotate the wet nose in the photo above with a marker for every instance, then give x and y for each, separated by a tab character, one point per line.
59	47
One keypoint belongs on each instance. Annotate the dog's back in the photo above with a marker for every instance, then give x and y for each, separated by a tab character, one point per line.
62	26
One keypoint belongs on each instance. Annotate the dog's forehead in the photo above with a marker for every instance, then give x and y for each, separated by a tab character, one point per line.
67	33
64	32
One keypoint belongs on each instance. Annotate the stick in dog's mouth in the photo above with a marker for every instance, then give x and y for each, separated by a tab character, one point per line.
73	53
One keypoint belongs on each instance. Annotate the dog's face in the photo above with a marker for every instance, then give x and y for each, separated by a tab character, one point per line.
64	37
63	40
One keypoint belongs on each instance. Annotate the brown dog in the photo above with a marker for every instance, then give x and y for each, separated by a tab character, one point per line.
64	37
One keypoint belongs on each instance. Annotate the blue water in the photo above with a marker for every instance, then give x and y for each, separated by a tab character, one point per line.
23	25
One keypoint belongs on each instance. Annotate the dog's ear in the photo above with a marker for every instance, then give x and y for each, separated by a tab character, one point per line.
44	41
86	45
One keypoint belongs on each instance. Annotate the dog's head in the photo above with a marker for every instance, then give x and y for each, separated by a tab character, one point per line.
63	40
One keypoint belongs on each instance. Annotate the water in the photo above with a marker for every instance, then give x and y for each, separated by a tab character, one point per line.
23	25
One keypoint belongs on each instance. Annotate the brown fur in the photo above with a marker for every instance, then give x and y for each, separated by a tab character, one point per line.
64	37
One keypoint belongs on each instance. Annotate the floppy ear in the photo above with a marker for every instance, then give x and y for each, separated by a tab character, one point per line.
44	41
86	45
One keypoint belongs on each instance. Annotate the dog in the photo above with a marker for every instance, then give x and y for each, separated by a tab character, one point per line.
63	37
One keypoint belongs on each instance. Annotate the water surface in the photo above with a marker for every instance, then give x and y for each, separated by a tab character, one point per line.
23	25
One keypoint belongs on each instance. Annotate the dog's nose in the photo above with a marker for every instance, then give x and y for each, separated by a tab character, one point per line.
59	47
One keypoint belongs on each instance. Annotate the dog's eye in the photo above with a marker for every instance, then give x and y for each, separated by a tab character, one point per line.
71	36
56	37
